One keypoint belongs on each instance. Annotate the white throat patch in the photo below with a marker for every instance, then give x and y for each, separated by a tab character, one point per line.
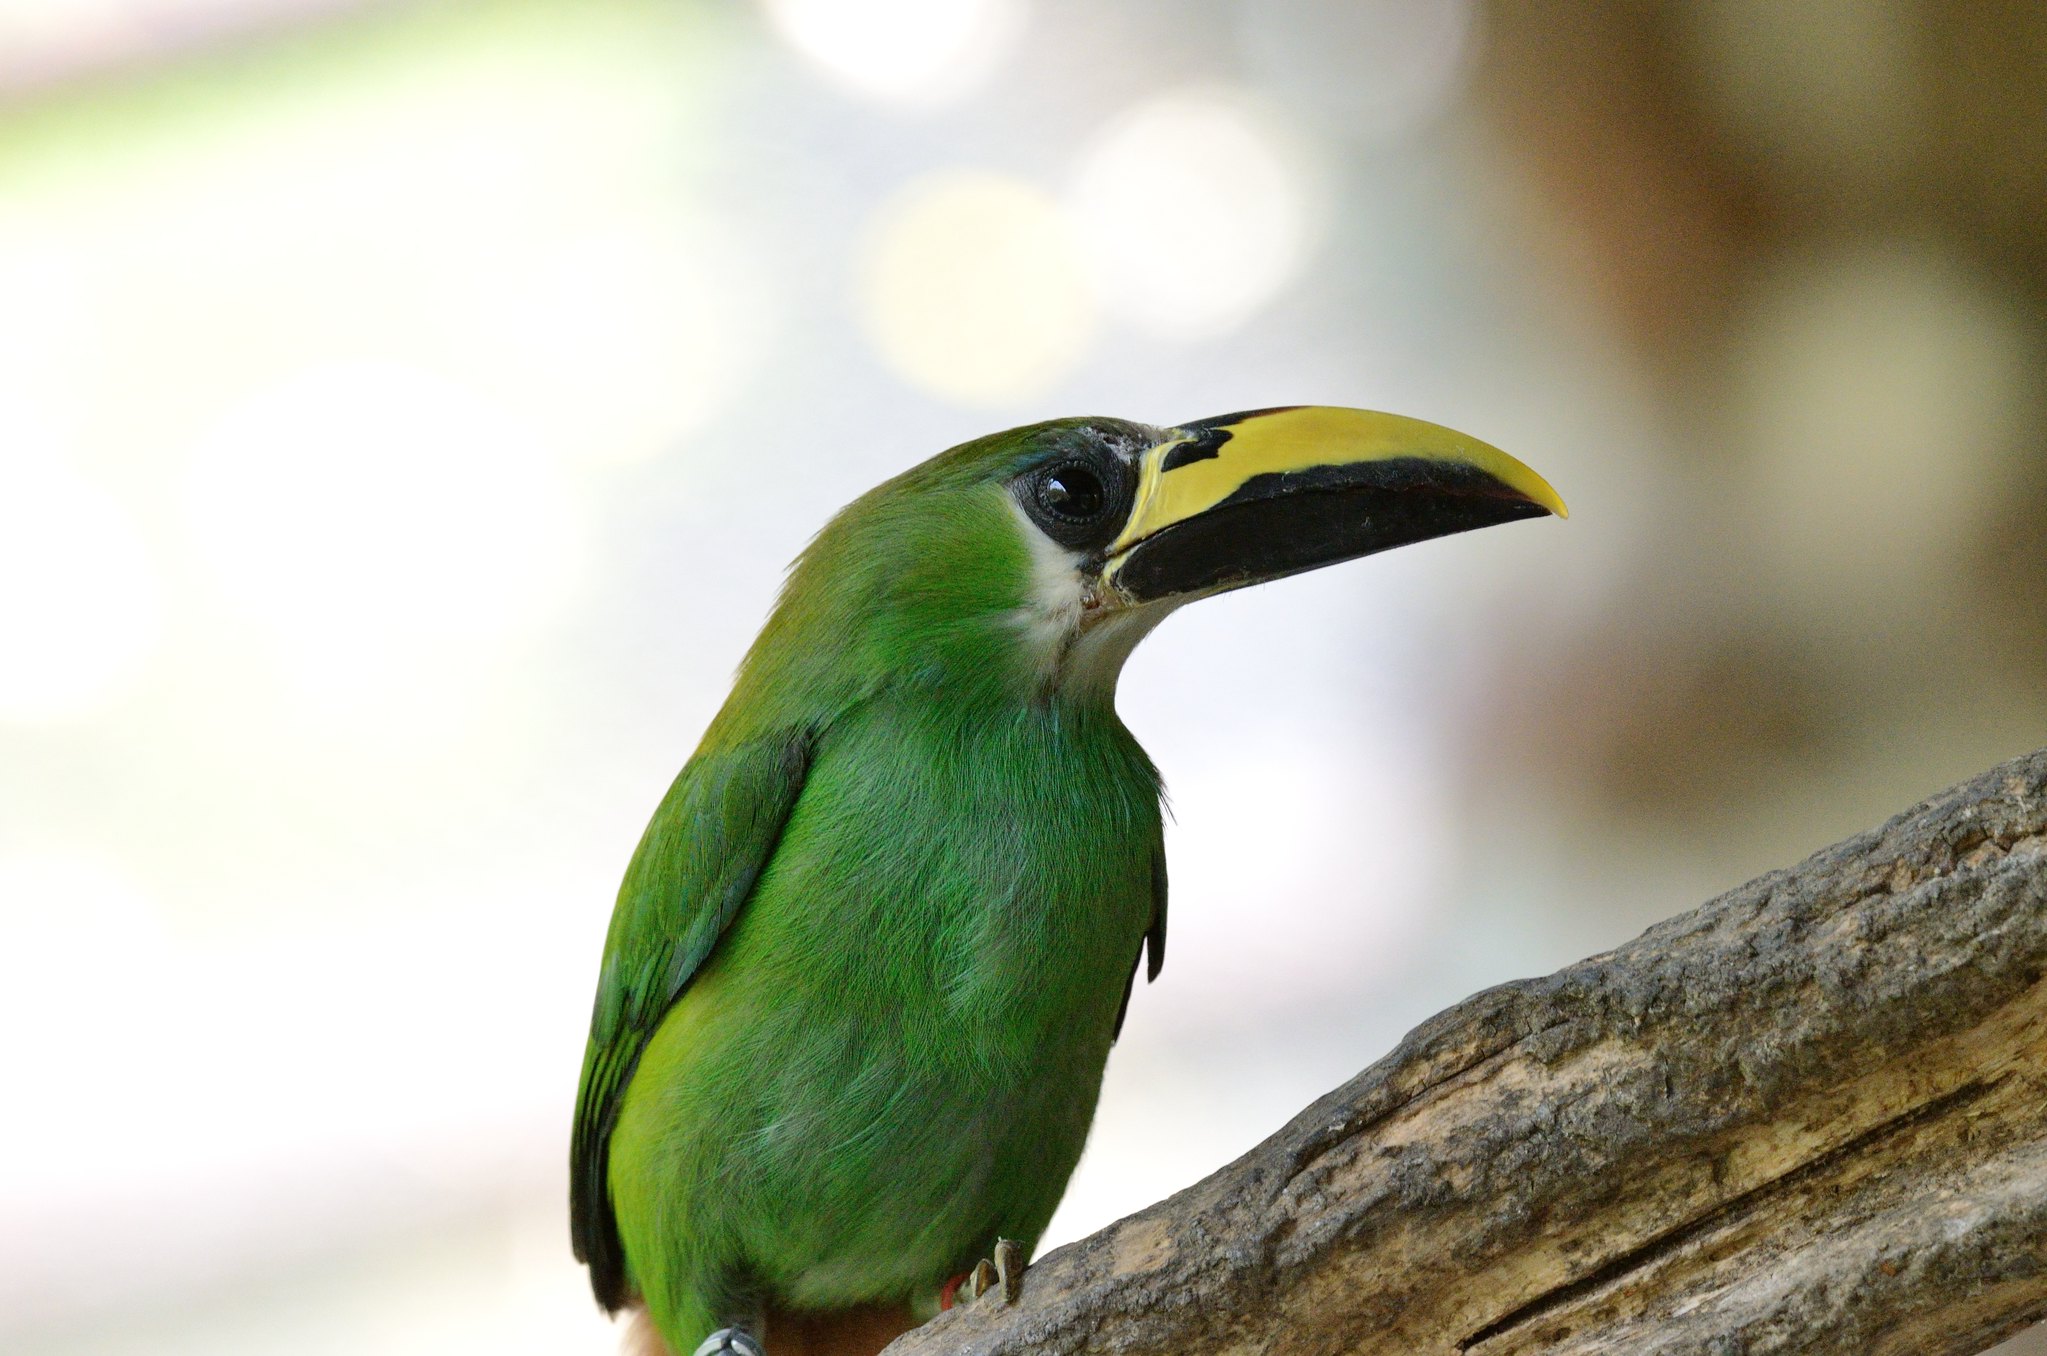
1077	646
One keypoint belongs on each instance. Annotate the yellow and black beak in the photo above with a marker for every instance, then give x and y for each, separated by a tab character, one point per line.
1245	498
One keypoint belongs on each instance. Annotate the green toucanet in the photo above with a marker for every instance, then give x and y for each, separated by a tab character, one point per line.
868	960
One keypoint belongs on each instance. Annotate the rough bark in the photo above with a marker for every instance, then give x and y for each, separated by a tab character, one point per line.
1809	1117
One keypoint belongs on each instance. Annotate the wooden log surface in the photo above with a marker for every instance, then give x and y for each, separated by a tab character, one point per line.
1809	1117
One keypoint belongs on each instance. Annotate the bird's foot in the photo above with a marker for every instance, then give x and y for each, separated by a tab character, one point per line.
1001	1274
730	1342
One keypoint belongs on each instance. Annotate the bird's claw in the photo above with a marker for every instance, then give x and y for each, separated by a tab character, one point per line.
1003	1274
1009	1269
978	1281
729	1342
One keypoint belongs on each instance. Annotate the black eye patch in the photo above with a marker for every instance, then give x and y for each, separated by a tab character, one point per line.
1079	495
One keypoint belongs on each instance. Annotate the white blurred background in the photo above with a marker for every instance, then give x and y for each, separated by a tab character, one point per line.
406	411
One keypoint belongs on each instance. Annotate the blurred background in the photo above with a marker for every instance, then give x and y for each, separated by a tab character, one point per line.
406	411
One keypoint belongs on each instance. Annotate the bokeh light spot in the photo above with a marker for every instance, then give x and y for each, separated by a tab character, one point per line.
68	905
973	288
78	598
1194	210
375	520
906	51
1881	389
630	338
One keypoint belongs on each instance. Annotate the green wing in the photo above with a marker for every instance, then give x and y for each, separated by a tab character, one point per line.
696	865
1154	943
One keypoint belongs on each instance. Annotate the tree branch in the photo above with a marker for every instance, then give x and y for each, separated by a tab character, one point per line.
1809	1116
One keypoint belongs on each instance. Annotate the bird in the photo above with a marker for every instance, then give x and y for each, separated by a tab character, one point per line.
867	962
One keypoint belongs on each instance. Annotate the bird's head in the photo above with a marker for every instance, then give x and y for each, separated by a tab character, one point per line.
1036	559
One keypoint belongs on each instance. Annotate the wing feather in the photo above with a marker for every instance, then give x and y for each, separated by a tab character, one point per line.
1154	944
707	844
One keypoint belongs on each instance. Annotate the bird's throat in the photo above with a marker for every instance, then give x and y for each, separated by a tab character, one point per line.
1075	638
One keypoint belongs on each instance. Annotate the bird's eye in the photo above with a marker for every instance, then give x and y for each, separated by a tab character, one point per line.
1079	492
1072	492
